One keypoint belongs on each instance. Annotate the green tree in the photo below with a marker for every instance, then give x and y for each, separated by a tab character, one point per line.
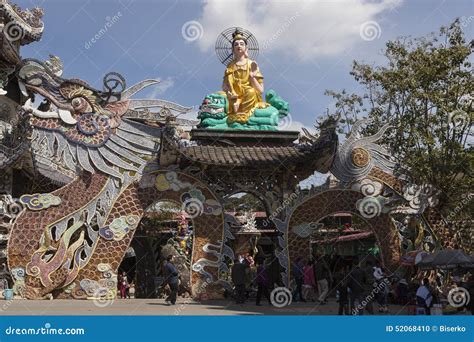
426	92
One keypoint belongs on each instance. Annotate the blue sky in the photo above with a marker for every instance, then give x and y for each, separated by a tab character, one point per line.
306	46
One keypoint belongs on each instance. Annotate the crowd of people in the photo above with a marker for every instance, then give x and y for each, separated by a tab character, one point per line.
357	289
314	282
431	293
363	287
248	273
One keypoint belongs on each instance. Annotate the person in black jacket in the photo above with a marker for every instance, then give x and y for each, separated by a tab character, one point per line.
172	278
356	283
342	295
299	278
321	273
274	272
239	277
262	282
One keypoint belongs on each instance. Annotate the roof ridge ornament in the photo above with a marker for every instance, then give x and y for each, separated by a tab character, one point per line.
358	155
26	24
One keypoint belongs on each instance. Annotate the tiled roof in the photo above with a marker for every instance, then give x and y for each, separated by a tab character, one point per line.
251	152
245	155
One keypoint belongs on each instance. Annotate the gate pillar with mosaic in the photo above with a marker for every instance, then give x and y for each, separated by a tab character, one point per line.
305	218
194	197
365	186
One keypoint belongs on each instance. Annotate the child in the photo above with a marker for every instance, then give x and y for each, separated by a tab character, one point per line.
131	291
341	293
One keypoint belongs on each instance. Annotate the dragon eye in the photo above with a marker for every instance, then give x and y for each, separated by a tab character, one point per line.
76	102
81	105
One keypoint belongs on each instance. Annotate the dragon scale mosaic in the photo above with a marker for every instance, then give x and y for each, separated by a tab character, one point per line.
60	263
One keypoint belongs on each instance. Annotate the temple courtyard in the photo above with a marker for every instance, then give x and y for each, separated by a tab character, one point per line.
158	307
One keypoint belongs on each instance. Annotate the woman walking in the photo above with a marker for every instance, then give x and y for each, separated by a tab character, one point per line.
309	283
263	283
123	285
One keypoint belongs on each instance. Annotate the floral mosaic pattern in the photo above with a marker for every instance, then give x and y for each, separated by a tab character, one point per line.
119	227
40	201
103	288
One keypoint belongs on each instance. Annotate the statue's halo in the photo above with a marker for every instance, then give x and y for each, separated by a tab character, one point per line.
224	44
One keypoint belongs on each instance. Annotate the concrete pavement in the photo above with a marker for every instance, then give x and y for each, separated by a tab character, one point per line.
159	307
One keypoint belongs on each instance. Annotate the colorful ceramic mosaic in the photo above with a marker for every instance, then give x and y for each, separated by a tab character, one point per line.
119	227
40	201
108	165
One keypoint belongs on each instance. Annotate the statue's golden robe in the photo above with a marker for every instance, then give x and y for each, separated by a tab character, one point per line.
237	79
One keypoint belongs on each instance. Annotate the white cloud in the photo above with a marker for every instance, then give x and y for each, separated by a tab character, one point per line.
161	87
307	29
191	115
315	179
297	126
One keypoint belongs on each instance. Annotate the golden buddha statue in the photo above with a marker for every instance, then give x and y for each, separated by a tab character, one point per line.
243	82
240	104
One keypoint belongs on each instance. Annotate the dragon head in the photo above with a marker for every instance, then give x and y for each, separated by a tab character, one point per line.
79	111
213	109
78	127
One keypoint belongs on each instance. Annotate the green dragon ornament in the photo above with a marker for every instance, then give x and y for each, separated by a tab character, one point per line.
213	113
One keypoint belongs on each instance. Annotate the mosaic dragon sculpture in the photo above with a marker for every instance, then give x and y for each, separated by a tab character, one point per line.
98	146
69	243
82	137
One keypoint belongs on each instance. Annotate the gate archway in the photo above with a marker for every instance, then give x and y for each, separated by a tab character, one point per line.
196	199
315	208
